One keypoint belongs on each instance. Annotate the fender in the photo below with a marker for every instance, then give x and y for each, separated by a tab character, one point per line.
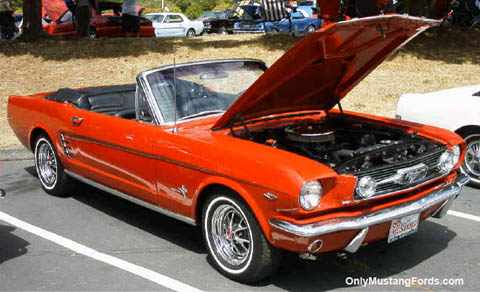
245	192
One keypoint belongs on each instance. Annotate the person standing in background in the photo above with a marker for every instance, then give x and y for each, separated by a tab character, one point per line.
83	14
130	20
7	20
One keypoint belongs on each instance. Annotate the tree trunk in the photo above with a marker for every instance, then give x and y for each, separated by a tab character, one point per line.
32	19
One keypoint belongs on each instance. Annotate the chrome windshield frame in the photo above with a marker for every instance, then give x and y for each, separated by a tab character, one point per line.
142	81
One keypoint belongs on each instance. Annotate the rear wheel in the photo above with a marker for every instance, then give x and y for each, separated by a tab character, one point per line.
190	32
50	170
222	30
235	243
471	164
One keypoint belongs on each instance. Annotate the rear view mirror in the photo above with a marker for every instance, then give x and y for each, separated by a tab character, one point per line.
213	75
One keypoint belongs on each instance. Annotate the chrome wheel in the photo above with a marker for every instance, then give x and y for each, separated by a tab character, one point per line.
472	157
231	235
50	169
190	33
235	243
310	29
46	163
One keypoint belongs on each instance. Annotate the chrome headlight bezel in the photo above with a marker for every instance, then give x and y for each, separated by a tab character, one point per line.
366	187
456	154
449	159
310	195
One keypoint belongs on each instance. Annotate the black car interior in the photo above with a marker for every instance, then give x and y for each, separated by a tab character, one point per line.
118	100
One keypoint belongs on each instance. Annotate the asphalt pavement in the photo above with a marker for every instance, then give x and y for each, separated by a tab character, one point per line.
129	247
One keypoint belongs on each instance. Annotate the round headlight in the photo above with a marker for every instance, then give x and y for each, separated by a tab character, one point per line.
310	195
366	187
446	161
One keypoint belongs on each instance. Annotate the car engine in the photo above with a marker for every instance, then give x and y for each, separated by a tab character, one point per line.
347	146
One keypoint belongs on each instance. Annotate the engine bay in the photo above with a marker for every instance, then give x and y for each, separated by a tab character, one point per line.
347	146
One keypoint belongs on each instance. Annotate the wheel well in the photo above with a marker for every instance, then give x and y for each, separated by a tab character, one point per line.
33	137
210	190
466	129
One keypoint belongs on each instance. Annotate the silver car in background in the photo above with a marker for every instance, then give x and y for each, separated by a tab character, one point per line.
172	24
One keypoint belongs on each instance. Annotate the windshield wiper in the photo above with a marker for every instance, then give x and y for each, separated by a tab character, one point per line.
204	113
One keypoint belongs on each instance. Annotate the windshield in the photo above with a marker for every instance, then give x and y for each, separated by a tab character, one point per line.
202	89
158	18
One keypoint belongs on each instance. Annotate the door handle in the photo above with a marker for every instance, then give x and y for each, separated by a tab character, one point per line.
77	121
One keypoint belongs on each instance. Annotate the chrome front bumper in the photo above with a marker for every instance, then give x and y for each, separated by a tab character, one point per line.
446	195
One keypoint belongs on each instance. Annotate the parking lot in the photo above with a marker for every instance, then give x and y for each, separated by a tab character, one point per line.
95	241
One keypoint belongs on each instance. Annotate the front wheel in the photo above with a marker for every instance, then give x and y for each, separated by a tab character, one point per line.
310	29
471	164
222	30
50	170
234	240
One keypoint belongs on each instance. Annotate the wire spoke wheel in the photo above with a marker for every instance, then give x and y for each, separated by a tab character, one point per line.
46	164
50	170
472	157
235	242
471	162
231	235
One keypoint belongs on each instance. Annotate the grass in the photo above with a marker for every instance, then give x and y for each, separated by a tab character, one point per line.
437	60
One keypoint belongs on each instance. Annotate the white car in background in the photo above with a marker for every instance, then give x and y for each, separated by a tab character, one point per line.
455	109
171	24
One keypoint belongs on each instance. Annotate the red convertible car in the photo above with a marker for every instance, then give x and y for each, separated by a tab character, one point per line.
58	20
260	159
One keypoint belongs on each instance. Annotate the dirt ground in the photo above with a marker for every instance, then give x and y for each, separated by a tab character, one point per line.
437	60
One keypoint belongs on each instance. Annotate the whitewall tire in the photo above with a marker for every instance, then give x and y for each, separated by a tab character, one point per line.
235	243
49	168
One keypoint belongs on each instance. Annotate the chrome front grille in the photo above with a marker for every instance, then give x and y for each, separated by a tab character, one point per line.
390	171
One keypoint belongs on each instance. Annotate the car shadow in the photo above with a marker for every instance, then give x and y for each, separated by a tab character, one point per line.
379	259
329	271
178	233
11	246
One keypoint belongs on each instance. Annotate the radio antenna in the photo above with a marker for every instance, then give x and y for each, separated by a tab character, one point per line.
174	130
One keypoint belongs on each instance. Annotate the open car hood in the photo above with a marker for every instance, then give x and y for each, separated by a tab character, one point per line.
54	8
324	66
253	10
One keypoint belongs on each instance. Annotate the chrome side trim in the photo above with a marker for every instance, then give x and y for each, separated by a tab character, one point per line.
357	241
381	216
162	158
270	196
132	199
